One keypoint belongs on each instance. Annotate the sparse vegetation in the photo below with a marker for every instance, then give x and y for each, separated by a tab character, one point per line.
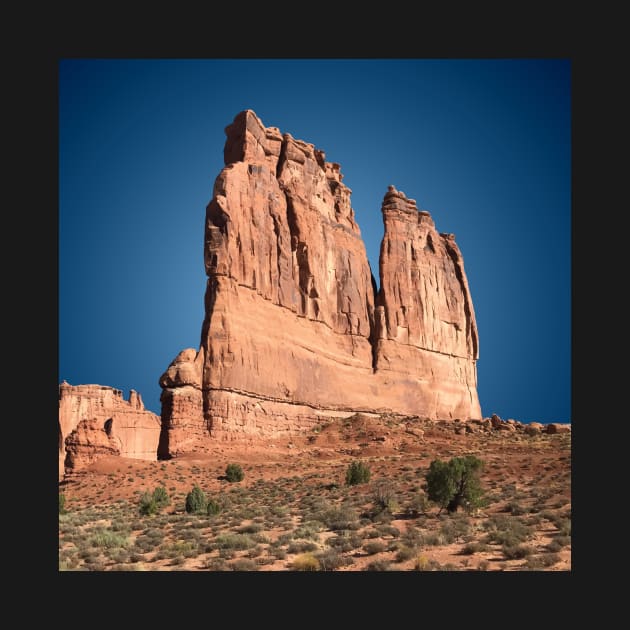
357	473
374	547
213	507
385	498
276	520
196	501
306	562
234	473
455	483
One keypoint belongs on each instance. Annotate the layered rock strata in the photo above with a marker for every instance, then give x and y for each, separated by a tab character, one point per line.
294	328
95	420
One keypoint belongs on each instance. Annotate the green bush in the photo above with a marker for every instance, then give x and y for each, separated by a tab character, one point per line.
108	539
160	496
213	507
234	473
152	503
62	503
147	504
455	483
196	500
357	472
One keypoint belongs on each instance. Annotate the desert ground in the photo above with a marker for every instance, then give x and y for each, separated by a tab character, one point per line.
294	511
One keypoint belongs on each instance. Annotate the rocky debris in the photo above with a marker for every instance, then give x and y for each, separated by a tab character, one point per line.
419	433
294	330
495	421
555	427
96	420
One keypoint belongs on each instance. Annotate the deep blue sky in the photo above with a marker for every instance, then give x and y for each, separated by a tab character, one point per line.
484	145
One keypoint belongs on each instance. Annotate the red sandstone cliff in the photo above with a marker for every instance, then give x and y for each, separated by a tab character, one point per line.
291	333
95	420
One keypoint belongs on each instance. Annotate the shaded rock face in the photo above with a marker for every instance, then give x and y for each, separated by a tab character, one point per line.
95	420
294	329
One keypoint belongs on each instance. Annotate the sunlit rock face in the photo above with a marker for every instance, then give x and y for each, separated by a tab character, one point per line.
294	328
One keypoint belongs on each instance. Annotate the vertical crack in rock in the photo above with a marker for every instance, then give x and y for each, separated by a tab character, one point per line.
458	263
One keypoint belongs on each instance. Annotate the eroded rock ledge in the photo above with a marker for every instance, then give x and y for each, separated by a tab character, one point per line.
96	420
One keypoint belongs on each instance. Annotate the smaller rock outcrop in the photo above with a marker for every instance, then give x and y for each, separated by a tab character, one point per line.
557	427
95	420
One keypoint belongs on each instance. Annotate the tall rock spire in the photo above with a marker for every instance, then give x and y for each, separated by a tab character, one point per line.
293	330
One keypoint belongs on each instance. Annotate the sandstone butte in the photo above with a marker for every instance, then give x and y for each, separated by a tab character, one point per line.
294	330
95	420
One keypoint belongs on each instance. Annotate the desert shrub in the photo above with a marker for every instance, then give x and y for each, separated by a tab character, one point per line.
388	530
564	526
455	483
284	539
345	542
108	539
378	565
474	547
306	562
309	529
263	560
483	565
120	556
515	508
505	530
413	537
374	547
559	542
196	500
516	552
454	528
543	561
160	496
330	559
385	498
216	564
244	564
147	505
213	507
418	505
255	552
250	528
423	563
339	518
433	539
234	541
234	473
357	473
300	546
62	503
404	553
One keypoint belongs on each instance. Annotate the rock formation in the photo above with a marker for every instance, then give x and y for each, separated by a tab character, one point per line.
95	420
294	328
